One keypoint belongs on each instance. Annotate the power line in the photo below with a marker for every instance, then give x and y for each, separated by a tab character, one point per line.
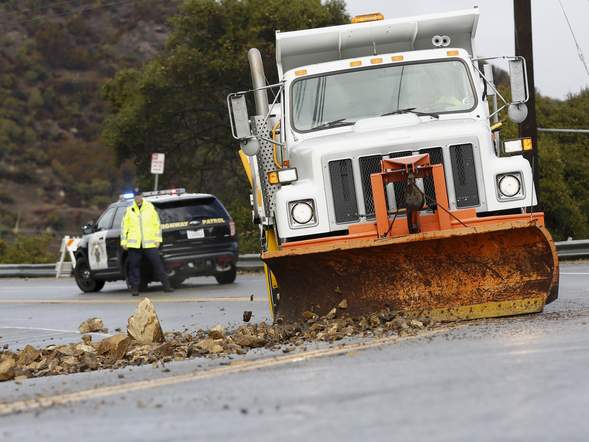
579	50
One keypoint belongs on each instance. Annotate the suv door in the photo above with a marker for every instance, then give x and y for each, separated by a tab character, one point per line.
97	254
113	240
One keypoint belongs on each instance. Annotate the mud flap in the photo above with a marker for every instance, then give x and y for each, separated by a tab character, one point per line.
464	273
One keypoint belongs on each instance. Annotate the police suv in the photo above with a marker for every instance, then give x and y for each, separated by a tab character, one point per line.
199	239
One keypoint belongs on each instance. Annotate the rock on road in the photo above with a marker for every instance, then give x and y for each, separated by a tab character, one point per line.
522	378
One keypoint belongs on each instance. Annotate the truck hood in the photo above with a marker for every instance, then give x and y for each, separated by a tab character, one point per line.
379	135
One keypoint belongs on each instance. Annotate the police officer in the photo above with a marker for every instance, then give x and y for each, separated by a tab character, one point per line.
141	235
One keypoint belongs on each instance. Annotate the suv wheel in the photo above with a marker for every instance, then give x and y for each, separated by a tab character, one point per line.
84	278
227	277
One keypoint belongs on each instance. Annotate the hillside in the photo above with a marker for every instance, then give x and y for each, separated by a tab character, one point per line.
55	172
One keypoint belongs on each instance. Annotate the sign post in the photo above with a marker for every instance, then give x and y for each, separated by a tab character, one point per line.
157	166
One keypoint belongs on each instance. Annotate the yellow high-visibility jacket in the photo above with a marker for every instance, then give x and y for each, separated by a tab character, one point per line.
141	227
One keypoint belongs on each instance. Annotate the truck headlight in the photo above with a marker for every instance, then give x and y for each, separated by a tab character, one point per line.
509	185
302	213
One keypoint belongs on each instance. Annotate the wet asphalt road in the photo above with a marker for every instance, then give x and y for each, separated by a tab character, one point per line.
523	378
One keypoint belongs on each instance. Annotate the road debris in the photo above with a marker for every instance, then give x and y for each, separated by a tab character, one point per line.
7	366
28	354
92	325
144	326
146	343
247	315
217	332
115	347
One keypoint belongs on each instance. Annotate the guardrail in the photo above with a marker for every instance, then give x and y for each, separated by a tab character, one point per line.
251	262
27	270
573	249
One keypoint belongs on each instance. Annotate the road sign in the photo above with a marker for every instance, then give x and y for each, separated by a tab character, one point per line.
157	163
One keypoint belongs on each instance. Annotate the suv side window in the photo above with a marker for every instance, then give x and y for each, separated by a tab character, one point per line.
105	221
119	217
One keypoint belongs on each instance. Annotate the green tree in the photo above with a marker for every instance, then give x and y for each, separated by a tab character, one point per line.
176	103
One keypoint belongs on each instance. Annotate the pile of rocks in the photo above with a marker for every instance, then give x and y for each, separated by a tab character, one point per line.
145	342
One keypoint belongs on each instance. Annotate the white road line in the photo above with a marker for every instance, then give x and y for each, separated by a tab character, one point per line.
39	328
166	300
51	330
574	273
45	287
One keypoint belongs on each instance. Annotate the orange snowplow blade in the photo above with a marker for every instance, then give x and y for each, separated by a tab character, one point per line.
493	270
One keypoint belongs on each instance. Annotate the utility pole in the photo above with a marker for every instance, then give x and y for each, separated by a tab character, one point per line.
522	16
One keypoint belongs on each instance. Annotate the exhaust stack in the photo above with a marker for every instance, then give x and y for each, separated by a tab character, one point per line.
258	81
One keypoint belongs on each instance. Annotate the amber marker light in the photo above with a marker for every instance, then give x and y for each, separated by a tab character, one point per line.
375	16
273	177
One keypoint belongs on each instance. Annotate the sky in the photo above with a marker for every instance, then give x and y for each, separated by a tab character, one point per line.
557	68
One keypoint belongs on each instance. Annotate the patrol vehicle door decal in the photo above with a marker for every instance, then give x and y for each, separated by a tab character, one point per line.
97	257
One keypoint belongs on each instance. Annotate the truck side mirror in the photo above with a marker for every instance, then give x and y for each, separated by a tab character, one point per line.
517	109
240	124
518	80
240	120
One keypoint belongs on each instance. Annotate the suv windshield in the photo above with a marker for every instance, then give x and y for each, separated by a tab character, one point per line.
190	210
345	97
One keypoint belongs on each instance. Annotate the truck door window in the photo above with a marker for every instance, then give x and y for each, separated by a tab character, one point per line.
105	221
437	87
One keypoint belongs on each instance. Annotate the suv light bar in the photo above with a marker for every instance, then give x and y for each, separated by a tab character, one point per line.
178	191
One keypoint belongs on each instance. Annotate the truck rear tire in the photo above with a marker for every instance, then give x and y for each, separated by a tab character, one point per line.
84	279
227	277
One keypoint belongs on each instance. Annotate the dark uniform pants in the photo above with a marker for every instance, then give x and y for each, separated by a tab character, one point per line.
155	260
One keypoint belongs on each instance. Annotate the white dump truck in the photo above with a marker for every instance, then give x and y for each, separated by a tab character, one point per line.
379	176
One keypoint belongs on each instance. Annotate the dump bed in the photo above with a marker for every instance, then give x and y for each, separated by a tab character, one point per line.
311	46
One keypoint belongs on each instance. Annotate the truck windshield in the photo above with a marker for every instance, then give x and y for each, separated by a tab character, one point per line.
346	97
190	210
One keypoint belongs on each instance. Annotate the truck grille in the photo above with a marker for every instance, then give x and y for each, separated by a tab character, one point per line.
371	164
368	166
342	181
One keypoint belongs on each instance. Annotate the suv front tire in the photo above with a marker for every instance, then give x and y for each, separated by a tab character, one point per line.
84	279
